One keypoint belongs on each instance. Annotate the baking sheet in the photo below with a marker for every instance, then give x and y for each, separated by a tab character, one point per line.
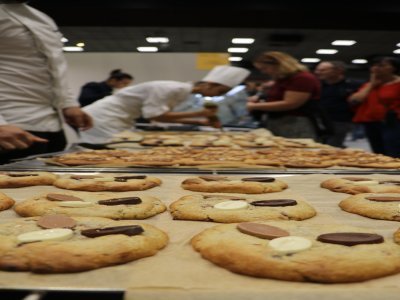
178	272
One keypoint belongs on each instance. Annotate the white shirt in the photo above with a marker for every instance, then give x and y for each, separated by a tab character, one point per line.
118	112
33	79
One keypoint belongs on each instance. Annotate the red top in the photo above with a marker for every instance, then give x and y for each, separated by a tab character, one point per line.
299	82
379	100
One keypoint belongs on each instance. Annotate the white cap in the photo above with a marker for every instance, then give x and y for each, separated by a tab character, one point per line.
226	75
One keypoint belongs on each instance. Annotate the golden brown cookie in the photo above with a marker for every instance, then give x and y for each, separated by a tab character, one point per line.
76	250
230	209
5	202
385	206
224	184
107	182
359	184
312	252
22	179
90	204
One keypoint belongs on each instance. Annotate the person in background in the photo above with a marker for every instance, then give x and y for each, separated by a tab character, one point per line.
291	97
377	106
34	93
154	100
336	88
93	91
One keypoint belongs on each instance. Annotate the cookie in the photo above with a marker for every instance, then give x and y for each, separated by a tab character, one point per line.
357	185
5	202
312	252
223	184
107	182
107	205
89	243
230	209
383	206
22	179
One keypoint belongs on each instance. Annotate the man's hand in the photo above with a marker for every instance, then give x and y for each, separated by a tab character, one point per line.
77	118
13	137
208	112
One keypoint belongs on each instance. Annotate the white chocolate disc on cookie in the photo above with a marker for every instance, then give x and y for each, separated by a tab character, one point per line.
56	234
290	244
367	182
75	204
231	205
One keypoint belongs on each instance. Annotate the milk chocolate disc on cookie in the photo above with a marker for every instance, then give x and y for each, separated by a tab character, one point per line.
62	197
126	178
261	230
259	179
275	202
78	177
395	182
213	178
350	238
383	198
126	230
56	221
356	178
20	175
118	201
223	197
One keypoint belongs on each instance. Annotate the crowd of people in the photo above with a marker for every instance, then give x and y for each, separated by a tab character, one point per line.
294	101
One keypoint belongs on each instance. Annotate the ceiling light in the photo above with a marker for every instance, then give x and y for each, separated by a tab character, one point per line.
398	45
359	61
72	49
235	58
80	44
64	40
397	51
238	50
310	60
154	39
326	51
242	41
147	49
343	42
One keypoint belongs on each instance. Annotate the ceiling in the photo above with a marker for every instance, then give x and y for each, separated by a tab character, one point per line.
295	27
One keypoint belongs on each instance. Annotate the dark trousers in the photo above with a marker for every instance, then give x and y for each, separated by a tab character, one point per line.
373	132
56	142
391	138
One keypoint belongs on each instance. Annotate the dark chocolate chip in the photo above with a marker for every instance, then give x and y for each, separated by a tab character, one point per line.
126	230
259	179
20	175
118	201
126	178
350	238
275	202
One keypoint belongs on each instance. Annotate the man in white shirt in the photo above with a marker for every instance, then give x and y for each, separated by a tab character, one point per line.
154	100
34	93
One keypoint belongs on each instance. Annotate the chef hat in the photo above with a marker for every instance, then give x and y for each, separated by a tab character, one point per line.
226	75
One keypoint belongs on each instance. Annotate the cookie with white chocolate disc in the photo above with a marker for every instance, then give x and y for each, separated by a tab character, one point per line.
230	209
224	184
356	185
297	251
22	179
126	205
60	244
384	206
107	182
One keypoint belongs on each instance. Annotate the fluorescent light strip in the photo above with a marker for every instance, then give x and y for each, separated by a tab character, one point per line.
73	49
64	40
154	39
343	43
80	44
359	61
235	58
326	51
310	60
147	49
238	50
397	51
242	41
398	45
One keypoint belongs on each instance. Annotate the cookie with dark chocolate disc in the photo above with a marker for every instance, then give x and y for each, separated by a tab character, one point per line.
224	184
61	244
127	205
230	209
22	179
299	251
362	184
